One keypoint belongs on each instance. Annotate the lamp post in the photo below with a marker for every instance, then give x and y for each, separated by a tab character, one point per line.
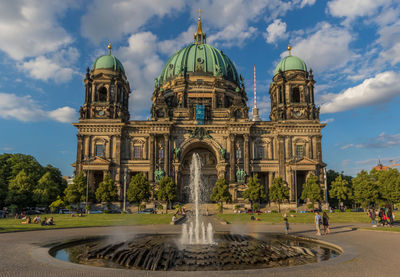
87	190
125	176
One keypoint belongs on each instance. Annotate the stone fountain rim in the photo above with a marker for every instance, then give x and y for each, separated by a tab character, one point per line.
58	245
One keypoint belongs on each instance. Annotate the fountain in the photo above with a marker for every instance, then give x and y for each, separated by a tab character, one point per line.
198	248
197	233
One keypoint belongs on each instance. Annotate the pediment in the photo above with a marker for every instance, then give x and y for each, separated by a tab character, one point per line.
303	161
97	160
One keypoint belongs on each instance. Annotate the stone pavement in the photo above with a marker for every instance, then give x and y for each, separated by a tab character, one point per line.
366	253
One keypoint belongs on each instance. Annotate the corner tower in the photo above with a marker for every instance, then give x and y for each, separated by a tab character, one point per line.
292	91
106	90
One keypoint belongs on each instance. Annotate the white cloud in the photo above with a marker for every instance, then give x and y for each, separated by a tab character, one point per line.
379	89
354	8
307	2
326	49
171	46
29	27
113	19
26	109
347	146
381	141
44	69
275	31
64	114
328	120
142	64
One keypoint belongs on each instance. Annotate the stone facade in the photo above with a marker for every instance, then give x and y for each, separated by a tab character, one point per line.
230	144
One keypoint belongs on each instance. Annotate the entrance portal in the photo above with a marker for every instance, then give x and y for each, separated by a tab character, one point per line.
208	170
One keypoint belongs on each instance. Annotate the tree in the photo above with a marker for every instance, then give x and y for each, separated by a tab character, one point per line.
139	189
46	190
278	192
331	176
365	189
59	203
389	184
167	190
76	191
20	190
312	189
340	189
221	194
255	191
107	191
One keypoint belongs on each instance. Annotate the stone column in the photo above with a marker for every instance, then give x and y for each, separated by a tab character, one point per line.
87	145
246	154
79	153
108	148
232	158
166	155
151	157
270	179
281	157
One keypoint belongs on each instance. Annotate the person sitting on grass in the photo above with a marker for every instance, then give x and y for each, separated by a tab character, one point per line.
44	221
50	221
27	221
36	219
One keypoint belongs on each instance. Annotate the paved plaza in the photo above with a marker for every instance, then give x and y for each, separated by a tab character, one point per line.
366	253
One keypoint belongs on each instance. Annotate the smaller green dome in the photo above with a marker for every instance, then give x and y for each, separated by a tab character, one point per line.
108	62
290	63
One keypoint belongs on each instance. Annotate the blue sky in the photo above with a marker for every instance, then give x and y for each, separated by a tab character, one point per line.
353	48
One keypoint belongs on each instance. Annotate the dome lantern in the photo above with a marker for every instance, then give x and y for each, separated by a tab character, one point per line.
108	62
199	36
290	63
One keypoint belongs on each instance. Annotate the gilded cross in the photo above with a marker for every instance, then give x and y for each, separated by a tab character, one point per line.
200	12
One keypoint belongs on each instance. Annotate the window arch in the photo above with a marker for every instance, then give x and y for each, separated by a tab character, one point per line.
296	95
102	94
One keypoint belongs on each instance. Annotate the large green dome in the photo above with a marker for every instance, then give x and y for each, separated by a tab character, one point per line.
108	62
290	63
199	58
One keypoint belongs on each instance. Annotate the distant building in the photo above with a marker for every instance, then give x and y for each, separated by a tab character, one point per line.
199	105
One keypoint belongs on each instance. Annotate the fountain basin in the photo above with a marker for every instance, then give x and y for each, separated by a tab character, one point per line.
166	252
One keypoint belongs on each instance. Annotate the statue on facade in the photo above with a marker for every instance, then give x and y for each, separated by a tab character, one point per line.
222	152
240	176
177	152
158	175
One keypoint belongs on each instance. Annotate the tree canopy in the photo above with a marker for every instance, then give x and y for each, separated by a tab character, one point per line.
278	191
76	191
107	191
312	190
167	190
255	191
220	193
340	189
139	189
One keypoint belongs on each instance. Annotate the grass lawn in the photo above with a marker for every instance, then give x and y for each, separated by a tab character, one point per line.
91	220
346	217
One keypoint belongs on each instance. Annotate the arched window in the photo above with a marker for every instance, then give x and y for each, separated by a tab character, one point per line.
260	152
295	95
102	92
99	150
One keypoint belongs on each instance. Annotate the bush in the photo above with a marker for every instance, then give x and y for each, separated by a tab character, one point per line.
292	211
106	211
142	206
337	211
220	207
310	206
237	207
348	210
274	211
256	206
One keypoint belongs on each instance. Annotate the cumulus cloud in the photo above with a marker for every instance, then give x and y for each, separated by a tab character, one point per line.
307	3
113	19
325	49
24	108
142	64
379	89
275	31
30	28
354	8
347	146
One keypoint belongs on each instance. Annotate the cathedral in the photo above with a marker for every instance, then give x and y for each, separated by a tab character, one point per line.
199	105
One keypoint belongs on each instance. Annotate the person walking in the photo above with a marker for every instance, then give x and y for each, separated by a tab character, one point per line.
317	222
325	223
372	216
381	217
285	219
389	216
